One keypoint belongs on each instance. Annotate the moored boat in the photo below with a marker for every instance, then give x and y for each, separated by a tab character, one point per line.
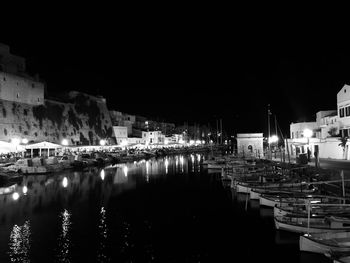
316	225
325	242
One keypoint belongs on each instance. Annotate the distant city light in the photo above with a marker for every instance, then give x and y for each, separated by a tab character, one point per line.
273	139
15	196
191	142
203	141
24	141
198	142
181	141
64	142
15	141
102	174
102	142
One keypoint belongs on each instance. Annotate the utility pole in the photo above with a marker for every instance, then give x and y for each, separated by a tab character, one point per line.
268	128
276	134
221	130
217	131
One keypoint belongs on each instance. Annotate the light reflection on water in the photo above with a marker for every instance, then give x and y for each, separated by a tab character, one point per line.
64	239
19	245
102	231
48	193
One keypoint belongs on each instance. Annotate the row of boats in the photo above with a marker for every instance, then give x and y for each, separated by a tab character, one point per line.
303	200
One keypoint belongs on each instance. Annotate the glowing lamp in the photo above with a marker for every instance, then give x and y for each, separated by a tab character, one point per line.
64	142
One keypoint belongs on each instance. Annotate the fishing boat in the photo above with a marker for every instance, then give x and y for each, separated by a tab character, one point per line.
28	166
342	259
323	243
325	205
316	225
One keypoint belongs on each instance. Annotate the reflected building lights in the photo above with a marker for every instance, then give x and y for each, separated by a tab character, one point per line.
102	229
19	245
166	165
64	242
25	190
102	174
15	196
147	167
182	163
125	169
65	182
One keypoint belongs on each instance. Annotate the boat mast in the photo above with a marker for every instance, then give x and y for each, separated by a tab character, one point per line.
268	127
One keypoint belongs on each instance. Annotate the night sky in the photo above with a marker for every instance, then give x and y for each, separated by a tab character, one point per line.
191	70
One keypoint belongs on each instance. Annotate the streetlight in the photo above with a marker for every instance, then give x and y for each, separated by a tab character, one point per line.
273	139
308	133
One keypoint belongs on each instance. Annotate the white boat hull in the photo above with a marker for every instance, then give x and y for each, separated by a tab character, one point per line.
254	195
303	229
242	189
311	245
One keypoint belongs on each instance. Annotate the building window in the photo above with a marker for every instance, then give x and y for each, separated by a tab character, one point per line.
38	99
341	112
17	95
347	111
345	133
292	135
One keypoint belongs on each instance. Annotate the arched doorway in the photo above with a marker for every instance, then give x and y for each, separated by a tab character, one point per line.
250	148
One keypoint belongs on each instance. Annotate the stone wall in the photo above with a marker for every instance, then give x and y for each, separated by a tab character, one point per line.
82	119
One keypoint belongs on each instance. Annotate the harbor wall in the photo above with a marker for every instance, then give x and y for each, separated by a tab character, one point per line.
82	119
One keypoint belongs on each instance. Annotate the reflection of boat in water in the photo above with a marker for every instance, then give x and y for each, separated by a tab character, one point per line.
286	238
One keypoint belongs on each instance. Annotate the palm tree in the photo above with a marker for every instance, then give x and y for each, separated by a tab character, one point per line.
343	141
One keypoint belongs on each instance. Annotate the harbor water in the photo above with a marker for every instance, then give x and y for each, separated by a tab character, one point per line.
169	209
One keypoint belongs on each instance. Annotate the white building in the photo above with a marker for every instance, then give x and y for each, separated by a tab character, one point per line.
153	137
343	106
330	126
250	144
121	134
297	129
135	140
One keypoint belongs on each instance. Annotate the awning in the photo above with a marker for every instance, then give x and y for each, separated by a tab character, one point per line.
43	145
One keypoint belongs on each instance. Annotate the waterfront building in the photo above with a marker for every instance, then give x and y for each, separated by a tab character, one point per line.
326	131
135	140
153	137
250	144
121	134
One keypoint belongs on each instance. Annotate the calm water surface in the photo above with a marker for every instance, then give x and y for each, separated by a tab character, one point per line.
160	210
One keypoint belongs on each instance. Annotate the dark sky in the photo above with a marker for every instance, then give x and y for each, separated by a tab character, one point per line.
194	70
